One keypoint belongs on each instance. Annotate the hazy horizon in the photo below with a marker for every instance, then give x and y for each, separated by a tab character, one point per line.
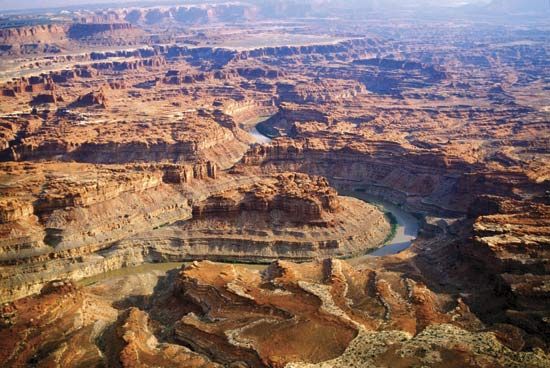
8	5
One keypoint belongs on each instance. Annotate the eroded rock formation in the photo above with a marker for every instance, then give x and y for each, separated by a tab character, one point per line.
128	214
128	137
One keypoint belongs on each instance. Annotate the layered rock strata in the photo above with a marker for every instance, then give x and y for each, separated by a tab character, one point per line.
322	314
329	314
511	241
288	216
126	216
450	123
420	181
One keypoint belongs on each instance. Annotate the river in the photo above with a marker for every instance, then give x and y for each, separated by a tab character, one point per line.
407	225
251	126
160	268
406	230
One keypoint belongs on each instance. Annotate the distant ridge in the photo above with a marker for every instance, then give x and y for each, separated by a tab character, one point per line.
519	6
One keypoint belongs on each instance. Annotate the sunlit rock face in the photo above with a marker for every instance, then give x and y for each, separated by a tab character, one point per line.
214	315
286	141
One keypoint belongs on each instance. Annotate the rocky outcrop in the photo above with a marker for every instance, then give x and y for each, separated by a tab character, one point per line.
301	198
185	174
91	99
12	209
141	347
325	91
119	66
62	193
511	241
74	213
246	112
412	179
20	230
44	98
58	305
287	216
85	326
212	315
33	34
41	83
44	82
203	137
108	217
78	218
284	121
49	37
255	73
301	304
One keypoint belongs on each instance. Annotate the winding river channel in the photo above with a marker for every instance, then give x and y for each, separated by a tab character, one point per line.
252	127
406	230
259	137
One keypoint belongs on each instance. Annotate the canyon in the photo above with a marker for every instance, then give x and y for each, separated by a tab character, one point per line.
257	185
